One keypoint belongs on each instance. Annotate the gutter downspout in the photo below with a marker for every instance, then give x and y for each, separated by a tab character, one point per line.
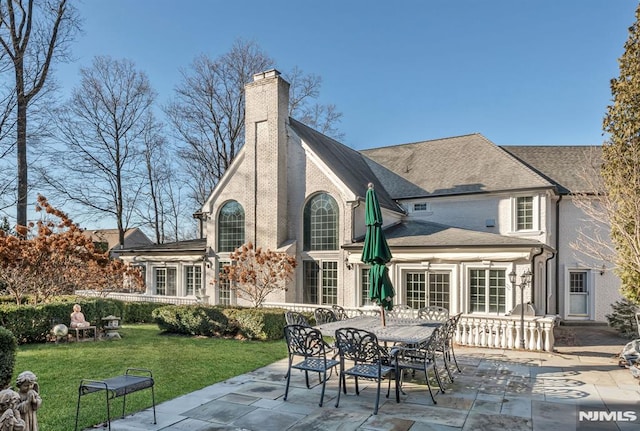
546	282
557	286
533	272
353	218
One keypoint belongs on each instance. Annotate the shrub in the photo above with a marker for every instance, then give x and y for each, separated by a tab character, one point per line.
623	318
191	320
258	323
8	347
140	312
32	324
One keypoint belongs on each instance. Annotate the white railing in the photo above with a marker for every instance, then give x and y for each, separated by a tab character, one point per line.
507	332
139	297
502	332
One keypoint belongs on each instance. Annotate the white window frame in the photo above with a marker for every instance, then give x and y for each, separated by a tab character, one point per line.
398	275
166	268
535	221
590	280
320	293
466	291
197	286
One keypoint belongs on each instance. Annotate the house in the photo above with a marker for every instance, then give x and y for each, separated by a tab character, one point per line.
108	239
460	215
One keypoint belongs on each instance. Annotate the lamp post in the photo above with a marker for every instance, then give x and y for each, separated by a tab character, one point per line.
525	278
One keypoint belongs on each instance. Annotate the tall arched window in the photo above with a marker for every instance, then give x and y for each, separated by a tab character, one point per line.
321	223
230	226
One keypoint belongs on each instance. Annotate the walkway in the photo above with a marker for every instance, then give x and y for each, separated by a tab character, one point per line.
497	390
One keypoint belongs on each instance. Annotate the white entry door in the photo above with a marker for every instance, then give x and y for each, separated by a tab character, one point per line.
578	294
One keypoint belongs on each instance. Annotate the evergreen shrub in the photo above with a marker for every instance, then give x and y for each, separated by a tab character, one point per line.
623	318
191	320
8	348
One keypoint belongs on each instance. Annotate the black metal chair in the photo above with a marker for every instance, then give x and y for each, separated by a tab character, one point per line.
419	358
370	360
324	315
446	344
307	343
295	318
340	312
434	313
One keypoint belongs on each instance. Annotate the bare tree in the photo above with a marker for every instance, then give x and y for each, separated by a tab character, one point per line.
208	111
32	35
160	205
103	128
593	237
323	118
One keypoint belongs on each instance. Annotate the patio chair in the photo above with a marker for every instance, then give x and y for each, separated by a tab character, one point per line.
370	360
434	313
324	315
307	343
446	345
401	311
340	313
419	358
295	318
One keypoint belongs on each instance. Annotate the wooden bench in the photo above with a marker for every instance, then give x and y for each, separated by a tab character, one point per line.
84	332
119	386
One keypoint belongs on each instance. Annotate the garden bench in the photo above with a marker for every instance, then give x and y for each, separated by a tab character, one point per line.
118	386
84	332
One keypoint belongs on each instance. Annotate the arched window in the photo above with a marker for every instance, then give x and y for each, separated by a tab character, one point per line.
321	223
230	226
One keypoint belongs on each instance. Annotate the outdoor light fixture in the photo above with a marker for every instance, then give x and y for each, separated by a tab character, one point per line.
525	279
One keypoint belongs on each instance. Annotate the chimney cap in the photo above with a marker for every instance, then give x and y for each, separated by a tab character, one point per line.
271	73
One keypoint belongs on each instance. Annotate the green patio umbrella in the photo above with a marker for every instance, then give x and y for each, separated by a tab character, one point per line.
376	253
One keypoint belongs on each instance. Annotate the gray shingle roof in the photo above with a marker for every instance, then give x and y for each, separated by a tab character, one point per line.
562	165
458	165
191	245
347	164
420	233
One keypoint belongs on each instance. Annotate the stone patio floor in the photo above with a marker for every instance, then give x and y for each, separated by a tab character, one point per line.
497	390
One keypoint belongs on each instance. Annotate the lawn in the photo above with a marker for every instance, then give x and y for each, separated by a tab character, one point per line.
180	365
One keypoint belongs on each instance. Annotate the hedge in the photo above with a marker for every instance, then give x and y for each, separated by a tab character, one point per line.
252	323
8	348
33	323
192	320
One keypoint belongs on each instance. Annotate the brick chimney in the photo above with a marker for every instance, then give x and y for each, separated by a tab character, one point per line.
266	118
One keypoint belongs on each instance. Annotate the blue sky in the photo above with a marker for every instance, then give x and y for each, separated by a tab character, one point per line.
521	72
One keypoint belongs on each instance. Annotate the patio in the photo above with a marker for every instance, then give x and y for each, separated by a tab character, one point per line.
498	389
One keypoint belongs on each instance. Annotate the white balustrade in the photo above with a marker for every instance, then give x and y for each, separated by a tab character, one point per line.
505	332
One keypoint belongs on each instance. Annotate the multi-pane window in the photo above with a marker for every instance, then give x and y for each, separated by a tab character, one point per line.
320	282
329	282
524	213
577	281
321	223
224	290
439	283
419	296
415	289
422	206
365	285
487	291
165	281
230	226
193	279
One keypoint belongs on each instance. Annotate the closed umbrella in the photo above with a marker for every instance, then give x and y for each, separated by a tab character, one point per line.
376	253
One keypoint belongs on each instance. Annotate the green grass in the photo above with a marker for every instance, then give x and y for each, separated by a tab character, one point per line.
179	364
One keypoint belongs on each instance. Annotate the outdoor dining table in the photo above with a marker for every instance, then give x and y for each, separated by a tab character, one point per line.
397	330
